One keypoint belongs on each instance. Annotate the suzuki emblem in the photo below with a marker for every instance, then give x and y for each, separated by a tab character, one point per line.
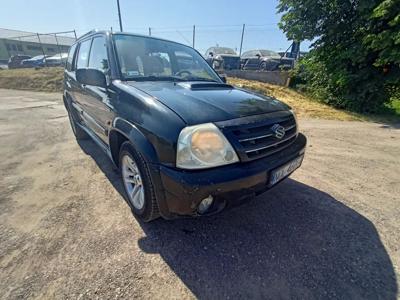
278	130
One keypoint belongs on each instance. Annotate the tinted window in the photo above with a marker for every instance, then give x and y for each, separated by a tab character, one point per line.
224	50
247	54
98	54
208	51
83	55
70	58
268	53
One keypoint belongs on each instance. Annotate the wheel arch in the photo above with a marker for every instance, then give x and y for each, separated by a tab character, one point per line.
125	131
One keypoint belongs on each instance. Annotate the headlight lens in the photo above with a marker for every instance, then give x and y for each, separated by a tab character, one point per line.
203	146
295	119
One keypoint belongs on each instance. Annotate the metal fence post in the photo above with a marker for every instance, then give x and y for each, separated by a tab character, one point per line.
194	34
41	45
241	40
58	45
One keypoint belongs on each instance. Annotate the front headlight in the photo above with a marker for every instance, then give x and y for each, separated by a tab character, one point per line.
295	119
203	146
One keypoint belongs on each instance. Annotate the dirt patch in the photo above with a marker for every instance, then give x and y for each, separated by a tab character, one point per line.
330	231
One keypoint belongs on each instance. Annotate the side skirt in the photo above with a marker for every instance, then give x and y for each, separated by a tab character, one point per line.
99	142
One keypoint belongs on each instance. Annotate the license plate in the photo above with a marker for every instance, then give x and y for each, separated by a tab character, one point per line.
280	173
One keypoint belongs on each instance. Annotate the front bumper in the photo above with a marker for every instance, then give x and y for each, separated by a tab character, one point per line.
229	185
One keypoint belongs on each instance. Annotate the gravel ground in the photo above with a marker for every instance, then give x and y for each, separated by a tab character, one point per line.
330	231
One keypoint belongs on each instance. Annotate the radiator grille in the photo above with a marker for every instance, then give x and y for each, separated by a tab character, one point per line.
258	140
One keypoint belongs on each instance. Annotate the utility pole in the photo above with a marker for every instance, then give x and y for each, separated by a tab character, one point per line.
194	34
241	40
119	16
149	31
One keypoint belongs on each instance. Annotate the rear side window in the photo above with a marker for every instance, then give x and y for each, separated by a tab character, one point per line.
83	55
70	58
98	54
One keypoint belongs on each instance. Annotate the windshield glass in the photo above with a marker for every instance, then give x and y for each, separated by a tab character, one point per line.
223	50
142	58
268	53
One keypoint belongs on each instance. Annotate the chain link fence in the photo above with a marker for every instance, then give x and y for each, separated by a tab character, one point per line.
237	37
35	44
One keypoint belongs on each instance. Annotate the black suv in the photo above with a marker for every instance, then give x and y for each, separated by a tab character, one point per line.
186	142
14	61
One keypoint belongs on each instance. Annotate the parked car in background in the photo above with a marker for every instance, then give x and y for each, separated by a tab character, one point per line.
57	60
36	61
3	64
14	61
222	58
265	60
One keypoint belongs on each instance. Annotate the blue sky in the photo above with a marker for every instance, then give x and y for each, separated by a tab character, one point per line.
217	22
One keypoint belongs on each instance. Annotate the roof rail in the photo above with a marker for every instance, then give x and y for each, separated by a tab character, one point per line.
88	33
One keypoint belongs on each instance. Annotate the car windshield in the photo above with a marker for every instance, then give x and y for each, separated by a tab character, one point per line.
143	58
268	53
223	50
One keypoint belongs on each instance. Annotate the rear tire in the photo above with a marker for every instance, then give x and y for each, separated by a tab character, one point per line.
139	189
79	133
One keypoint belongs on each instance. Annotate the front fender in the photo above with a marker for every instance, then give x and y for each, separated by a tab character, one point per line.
137	138
146	149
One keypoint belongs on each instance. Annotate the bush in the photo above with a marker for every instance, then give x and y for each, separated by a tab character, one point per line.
363	90
355	61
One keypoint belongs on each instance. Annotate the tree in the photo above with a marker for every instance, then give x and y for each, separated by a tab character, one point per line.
355	58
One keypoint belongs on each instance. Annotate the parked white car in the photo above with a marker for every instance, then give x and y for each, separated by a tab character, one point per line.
57	60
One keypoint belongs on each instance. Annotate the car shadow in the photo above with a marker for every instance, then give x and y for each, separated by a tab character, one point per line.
294	241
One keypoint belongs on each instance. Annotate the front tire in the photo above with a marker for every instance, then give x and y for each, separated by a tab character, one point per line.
137	183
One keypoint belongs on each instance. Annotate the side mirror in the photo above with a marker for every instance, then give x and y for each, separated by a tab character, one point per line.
91	77
258	55
223	78
211	54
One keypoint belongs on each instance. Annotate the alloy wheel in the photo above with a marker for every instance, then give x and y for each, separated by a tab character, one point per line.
133	182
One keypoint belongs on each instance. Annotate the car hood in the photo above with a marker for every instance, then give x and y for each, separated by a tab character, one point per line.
201	102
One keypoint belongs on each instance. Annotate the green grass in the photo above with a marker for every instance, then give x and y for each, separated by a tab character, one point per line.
395	106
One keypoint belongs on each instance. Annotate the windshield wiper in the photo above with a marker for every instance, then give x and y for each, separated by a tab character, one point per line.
170	78
156	78
198	79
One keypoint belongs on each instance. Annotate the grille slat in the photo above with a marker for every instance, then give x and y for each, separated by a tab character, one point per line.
271	145
257	140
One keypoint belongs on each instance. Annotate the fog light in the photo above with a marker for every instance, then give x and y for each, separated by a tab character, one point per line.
205	204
